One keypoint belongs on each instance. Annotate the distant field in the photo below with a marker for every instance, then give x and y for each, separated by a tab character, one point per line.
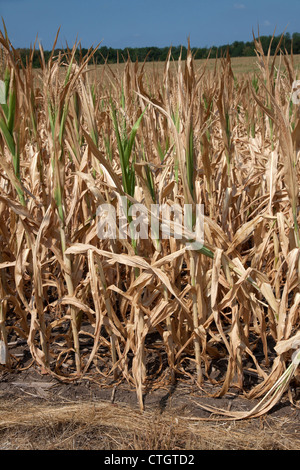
246	64
240	65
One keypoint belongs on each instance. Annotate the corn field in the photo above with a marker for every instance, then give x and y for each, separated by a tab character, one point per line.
75	136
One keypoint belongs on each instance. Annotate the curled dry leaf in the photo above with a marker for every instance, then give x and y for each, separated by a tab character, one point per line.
74	137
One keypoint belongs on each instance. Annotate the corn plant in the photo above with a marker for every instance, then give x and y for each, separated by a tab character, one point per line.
74	136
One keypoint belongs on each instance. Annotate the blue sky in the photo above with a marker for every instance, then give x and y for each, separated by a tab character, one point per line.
139	23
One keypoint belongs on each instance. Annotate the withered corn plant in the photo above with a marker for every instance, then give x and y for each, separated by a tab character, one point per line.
151	306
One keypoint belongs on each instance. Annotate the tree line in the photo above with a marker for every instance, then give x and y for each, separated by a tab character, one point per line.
156	54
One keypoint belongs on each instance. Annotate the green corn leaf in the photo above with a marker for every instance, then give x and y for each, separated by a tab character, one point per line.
16	164
11	110
107	147
52	118
190	163
58	201
132	137
120	147
69	71
5	110
122	97
94	136
125	149
8	137
160	152
21	195
93	94
176	119
62	123
131	179
206	252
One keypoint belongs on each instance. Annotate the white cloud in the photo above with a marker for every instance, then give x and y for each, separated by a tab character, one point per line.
239	6
267	23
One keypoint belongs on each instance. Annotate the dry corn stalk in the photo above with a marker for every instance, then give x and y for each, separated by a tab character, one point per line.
184	136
